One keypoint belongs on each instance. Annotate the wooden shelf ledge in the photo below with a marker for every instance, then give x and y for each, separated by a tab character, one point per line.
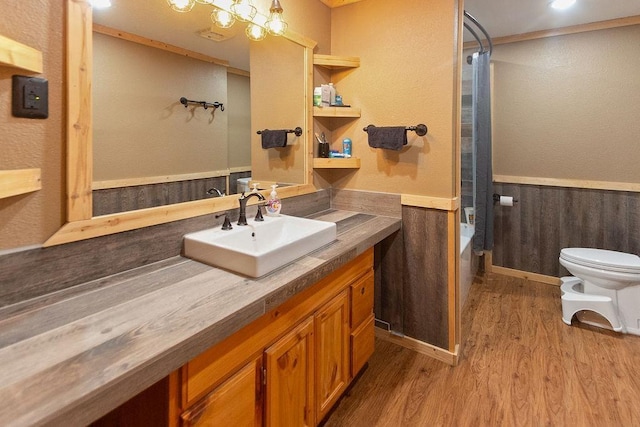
18	55
20	181
337	163
336	112
333	61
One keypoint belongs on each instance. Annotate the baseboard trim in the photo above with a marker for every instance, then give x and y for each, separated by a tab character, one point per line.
421	347
549	280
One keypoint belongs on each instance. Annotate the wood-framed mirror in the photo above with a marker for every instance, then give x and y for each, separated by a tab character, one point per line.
81	224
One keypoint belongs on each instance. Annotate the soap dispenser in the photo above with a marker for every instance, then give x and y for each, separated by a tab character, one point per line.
273	204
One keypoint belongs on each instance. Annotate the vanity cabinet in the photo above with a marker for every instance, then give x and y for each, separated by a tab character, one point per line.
236	402
289	367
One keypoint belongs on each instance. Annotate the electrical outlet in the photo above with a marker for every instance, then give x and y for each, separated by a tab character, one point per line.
30	97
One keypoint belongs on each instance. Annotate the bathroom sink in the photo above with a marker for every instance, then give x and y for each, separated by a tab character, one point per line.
259	247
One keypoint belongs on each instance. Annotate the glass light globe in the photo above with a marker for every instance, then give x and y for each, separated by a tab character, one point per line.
222	18
181	5
244	10
275	24
255	32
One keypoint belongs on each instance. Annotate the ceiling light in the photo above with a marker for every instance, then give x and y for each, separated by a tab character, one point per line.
244	10
181	5
562	4
100	4
275	24
222	18
255	32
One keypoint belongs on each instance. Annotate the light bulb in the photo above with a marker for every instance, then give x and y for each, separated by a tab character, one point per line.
181	5
275	24
222	18
255	32
244	10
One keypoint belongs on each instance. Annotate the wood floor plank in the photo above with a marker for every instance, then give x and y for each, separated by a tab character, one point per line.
520	366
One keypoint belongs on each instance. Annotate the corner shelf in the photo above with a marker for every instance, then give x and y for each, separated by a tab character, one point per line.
336	112
335	62
18	55
20	181
337	163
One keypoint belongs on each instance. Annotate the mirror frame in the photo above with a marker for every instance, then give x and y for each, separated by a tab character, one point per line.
81	224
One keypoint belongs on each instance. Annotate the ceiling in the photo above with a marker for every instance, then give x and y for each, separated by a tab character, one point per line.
155	20
508	17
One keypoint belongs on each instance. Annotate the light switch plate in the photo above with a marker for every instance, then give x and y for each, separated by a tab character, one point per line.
30	97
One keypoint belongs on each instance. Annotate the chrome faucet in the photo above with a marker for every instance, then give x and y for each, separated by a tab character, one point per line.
242	218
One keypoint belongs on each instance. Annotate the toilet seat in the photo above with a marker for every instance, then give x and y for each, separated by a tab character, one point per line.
602	259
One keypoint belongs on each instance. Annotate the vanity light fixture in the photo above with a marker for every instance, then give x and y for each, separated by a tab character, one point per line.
222	18
226	12
275	24
244	10
255	32
562	4
181	5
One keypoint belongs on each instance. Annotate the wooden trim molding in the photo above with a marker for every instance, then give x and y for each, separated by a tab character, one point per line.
448	357
239	169
102	29
338	3
574	29
147	180
131	220
453	260
535	277
79	111
430	202
21	181
570	183
18	55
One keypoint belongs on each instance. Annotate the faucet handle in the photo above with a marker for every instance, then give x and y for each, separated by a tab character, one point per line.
259	216
226	225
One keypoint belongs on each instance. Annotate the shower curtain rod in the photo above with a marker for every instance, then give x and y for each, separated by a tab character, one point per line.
475	35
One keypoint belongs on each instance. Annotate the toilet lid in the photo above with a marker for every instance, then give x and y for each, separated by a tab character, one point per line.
602	259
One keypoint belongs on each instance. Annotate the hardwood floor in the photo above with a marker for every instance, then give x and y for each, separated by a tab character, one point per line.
520	365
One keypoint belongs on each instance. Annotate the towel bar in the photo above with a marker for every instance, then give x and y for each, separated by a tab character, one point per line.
420	129
184	101
297	131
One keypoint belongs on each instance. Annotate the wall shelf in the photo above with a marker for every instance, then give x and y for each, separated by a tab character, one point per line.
18	55
337	163
336	112
335	62
20	181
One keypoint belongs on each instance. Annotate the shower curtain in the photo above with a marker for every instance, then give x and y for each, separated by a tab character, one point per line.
481	118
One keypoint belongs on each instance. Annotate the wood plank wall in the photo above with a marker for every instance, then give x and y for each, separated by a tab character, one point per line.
123	199
34	272
425	294
530	235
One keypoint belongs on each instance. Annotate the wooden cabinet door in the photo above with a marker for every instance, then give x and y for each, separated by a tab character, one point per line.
236	402
332	352
289	389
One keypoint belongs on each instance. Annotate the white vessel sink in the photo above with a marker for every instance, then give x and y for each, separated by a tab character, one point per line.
259	247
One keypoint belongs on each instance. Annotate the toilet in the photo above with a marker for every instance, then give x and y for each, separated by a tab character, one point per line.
604	282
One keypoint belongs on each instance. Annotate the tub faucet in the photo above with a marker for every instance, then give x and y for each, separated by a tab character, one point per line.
242	218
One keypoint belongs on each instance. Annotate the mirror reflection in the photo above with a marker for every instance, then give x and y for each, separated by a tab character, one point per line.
149	148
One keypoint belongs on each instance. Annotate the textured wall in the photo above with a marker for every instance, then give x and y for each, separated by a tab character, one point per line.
406	77
27	143
568	106
140	128
238	111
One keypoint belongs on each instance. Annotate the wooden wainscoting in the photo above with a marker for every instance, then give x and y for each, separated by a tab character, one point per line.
529	236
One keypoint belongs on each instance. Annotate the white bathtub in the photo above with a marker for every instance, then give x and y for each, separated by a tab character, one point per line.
467	265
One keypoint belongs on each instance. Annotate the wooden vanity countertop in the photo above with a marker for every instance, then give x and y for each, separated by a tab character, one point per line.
70	357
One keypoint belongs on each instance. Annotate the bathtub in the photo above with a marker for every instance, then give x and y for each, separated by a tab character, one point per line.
468	262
